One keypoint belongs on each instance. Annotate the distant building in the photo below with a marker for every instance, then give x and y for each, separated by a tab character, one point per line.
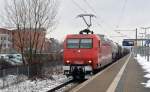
11	40
22	38
46	47
5	40
55	45
51	45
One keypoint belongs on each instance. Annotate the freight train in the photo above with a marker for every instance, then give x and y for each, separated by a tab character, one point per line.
84	54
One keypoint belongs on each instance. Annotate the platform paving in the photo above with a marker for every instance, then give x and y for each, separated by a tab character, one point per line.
130	80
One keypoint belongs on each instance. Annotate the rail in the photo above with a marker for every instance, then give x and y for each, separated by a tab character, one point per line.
61	85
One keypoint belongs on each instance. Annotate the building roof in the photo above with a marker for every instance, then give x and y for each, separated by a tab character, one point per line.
28	29
4	31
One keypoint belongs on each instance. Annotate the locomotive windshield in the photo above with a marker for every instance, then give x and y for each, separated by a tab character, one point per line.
86	43
73	43
79	43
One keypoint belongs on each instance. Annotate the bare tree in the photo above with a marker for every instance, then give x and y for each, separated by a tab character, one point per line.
29	17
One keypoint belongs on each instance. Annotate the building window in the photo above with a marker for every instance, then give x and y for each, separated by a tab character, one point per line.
1	38
9	45
4	38
4	45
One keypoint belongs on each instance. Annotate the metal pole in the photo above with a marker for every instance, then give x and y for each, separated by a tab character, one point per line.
3	78
148	50
142	46
145	45
142	43
135	46
136	42
145	28
148	53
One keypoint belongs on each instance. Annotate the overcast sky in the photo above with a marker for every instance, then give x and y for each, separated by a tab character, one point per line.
110	15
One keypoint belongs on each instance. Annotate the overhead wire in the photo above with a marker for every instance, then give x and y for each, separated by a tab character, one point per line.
77	5
89	5
93	10
86	11
122	13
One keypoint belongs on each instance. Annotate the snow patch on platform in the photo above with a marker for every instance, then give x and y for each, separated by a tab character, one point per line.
146	66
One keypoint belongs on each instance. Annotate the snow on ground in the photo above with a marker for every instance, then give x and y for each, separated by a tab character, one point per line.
66	88
146	66
8	80
39	85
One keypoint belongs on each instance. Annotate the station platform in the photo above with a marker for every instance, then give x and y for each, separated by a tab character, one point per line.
125	75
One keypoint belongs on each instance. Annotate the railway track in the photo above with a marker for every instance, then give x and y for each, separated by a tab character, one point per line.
73	81
69	82
61	86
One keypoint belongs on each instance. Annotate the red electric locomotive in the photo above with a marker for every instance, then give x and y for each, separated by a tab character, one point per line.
85	53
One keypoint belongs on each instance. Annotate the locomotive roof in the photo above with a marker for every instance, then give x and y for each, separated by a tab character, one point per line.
101	36
81	35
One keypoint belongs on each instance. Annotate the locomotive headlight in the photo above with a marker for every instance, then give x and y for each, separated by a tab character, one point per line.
90	61
68	61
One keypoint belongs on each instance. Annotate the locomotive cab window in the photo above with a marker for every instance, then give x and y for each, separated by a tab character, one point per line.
79	43
86	43
73	43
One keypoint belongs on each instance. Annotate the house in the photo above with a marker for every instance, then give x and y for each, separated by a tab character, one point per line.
5	40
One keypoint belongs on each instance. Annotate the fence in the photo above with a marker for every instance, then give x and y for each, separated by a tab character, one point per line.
143	51
12	76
